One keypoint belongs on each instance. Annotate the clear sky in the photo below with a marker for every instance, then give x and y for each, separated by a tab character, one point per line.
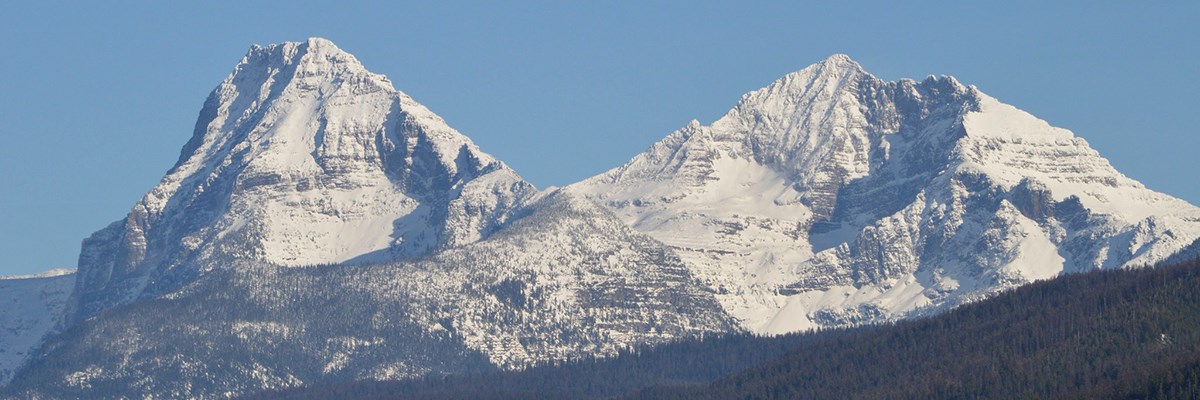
97	99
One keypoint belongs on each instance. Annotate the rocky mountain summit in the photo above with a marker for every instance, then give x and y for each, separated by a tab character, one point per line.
300	157
831	197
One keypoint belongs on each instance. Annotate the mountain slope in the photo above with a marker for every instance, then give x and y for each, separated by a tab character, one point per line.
565	279
30	308
300	157
1102	334
831	197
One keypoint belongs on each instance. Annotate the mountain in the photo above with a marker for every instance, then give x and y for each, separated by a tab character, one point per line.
323	227
832	198
33	306
300	157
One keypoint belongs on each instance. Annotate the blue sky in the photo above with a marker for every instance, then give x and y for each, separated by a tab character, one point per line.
97	99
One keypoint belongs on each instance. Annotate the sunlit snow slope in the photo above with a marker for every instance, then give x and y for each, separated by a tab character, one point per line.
831	197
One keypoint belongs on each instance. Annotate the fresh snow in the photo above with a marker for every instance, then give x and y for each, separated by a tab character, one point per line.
831	197
1010	145
301	157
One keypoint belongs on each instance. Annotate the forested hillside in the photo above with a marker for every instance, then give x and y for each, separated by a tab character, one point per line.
1105	334
1108	334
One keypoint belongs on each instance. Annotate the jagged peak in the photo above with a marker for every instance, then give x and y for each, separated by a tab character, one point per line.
316	57
835	65
316	46
313	45
835	73
839	60
267	73
316	42
308	75
948	81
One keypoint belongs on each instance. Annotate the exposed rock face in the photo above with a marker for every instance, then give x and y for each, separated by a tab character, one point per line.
300	157
831	197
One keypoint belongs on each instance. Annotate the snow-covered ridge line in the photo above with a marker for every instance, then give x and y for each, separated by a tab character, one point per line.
33	307
45	274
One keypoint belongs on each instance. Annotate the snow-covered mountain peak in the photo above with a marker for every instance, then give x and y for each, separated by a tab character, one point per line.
301	156
832	197
314	50
314	62
835	74
835	65
839	59
308	78
323	45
